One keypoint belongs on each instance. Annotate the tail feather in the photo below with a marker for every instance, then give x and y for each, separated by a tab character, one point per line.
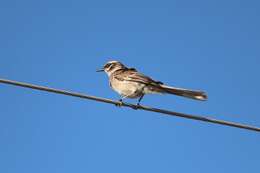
193	94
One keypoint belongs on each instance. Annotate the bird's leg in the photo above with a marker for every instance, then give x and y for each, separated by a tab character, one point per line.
120	102
135	107
142	96
138	103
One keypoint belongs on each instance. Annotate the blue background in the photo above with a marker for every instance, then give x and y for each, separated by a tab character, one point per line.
208	45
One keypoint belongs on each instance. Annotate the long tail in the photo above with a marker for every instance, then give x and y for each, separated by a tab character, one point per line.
197	95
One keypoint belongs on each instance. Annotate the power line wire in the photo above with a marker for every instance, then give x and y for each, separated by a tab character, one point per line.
99	99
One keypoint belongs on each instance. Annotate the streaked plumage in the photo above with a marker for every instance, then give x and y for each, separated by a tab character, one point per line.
129	83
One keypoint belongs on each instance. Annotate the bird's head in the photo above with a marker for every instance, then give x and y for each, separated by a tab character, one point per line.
112	66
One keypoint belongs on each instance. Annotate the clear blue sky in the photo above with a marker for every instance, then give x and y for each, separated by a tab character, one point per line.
208	45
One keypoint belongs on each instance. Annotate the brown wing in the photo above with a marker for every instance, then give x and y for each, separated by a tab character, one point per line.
133	75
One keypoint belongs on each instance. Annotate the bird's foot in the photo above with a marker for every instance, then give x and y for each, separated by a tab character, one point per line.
137	106
120	103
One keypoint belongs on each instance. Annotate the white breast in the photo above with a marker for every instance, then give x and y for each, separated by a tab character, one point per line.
127	88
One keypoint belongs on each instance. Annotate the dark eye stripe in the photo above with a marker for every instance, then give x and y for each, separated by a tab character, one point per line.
107	65
112	67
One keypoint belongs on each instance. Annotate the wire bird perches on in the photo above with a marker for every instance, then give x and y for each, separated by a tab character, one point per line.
83	96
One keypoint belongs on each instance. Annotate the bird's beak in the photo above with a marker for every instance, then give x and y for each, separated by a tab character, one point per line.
100	70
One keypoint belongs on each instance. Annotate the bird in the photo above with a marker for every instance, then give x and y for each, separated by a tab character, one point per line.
129	83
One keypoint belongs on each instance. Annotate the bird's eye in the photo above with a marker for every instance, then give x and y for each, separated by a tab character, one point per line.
107	65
